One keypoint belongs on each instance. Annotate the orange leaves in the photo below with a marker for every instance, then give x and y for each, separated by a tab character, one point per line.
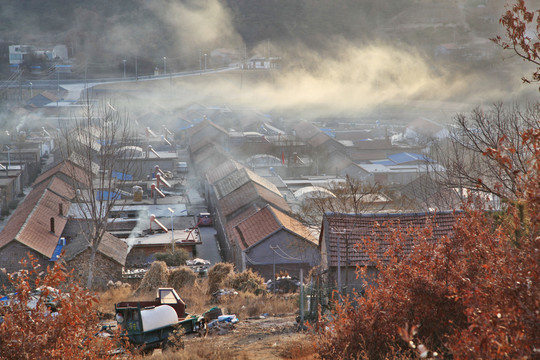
50	317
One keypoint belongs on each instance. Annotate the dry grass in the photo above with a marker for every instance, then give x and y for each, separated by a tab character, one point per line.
181	277
246	305
156	277
108	298
247	281
203	350
217	275
196	297
302	347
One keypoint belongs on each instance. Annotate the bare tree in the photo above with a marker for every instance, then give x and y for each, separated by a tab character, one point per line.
93	142
349	196
470	167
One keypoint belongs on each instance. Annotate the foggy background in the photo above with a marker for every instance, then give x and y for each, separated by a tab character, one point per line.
389	60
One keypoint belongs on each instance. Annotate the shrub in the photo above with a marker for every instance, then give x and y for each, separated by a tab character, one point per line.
473	295
30	330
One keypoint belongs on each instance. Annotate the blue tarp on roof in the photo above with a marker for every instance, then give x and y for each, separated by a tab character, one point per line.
329	132
383	162
121	176
58	250
108	195
406	157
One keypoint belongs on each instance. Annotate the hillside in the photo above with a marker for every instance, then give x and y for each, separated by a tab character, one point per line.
100	34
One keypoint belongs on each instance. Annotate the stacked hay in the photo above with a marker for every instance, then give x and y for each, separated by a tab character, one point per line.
217	275
247	281
180	277
156	277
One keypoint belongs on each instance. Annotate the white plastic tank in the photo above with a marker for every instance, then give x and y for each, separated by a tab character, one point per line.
158	317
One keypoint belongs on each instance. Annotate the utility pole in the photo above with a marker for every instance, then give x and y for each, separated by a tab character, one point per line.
274	266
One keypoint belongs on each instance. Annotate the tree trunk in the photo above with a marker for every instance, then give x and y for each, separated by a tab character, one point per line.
91	268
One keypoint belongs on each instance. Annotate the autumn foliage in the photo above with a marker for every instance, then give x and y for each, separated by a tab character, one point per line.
472	295
32	330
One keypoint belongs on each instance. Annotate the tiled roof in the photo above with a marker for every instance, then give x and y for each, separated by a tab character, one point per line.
257	227
250	193
319	139
350	229
230	226
30	224
203	125
305	130
110	246
223	170
238	178
67	168
265	222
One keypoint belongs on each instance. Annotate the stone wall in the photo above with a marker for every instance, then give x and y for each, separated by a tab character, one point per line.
12	253
105	269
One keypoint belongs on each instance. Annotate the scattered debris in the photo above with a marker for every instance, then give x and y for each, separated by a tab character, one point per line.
217	295
284	284
222	325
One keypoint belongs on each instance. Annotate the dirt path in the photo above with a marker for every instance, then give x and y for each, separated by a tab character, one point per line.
257	339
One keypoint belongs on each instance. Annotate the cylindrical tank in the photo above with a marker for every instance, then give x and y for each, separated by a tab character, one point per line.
158	317
137	193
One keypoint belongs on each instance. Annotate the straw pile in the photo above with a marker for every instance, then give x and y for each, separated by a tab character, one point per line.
217	276
156	277
180	277
247	281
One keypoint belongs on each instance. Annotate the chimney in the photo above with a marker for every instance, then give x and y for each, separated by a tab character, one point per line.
61	209
52	224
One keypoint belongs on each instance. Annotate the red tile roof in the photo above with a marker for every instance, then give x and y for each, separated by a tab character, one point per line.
250	193
68	169
30	224
351	229
265	222
230	226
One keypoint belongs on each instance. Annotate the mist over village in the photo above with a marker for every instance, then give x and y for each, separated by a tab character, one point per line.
221	179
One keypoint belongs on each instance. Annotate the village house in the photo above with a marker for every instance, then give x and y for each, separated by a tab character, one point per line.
341	233
269	240
108	264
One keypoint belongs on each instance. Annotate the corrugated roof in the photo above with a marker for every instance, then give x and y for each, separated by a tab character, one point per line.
351	229
405	157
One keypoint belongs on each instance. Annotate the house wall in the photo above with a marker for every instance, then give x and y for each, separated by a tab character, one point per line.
12	253
105	269
293	253
349	280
